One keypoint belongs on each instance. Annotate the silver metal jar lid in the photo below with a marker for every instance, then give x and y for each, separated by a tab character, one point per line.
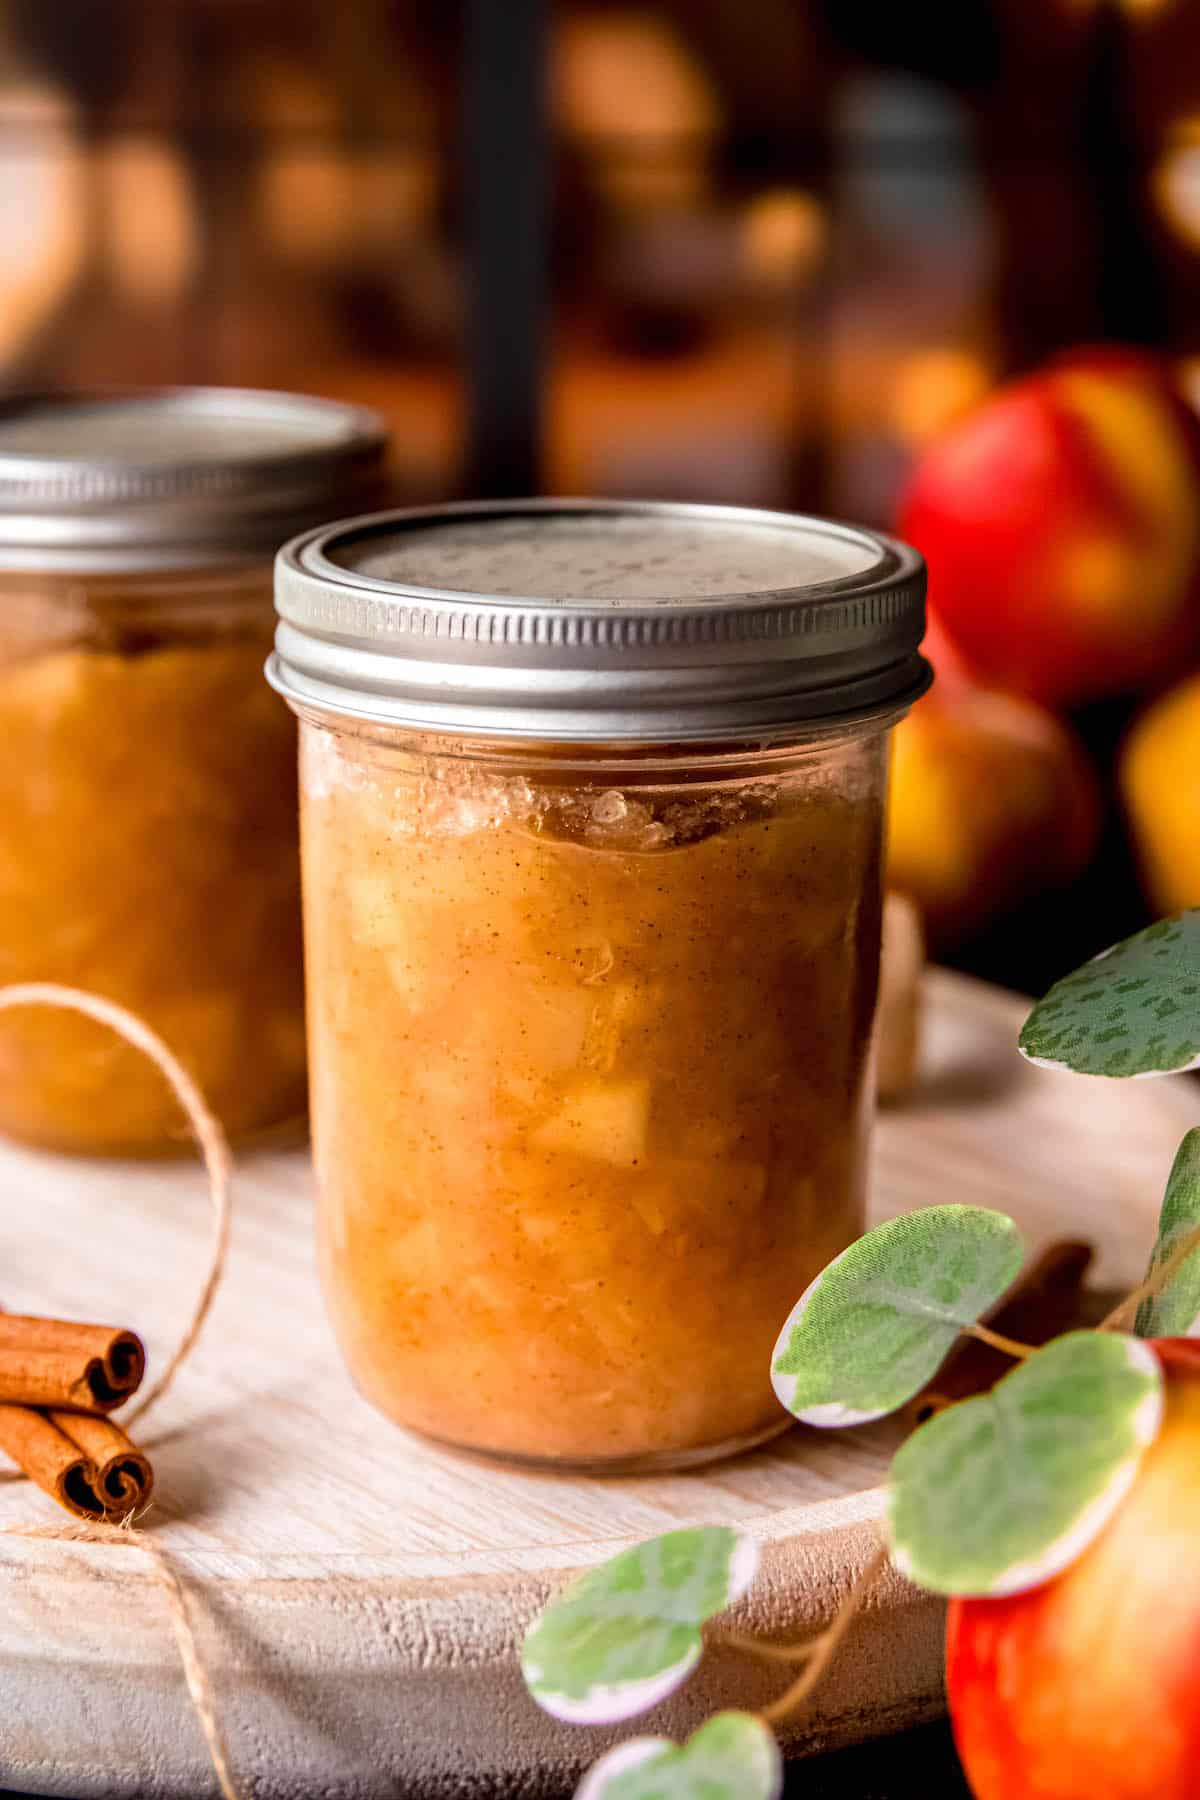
598	621
160	478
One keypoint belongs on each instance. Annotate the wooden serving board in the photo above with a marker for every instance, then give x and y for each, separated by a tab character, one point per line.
359	1596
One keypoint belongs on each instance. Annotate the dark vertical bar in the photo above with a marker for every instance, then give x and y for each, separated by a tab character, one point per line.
1131	292
505	188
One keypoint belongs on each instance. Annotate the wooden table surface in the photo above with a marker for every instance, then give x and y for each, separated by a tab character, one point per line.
359	1595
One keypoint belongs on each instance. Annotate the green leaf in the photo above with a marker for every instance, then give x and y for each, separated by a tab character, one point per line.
999	1493
878	1323
626	1634
1175	1311
1133	1010
733	1757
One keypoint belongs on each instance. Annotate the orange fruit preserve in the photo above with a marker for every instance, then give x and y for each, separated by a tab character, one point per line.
592	805
589	1065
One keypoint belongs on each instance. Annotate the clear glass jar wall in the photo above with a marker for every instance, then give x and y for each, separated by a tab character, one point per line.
148	852
590	1079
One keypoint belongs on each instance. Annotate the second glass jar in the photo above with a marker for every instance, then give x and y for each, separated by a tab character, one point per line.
148	843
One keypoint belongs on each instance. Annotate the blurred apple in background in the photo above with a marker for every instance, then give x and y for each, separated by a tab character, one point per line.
992	800
1088	1688
1160	786
1061	524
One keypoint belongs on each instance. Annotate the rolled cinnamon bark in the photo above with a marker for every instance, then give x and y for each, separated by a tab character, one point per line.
898	1020
87	1464
119	1474
58	1466
55	1363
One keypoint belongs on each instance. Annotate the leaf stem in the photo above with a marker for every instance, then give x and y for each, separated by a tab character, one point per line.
784	1653
998	1341
824	1648
1154	1283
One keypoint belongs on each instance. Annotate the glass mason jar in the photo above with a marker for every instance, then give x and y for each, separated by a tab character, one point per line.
148	845
592	801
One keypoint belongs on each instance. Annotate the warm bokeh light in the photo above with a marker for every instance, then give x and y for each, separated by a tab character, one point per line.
43	206
150	233
395	188
632	93
783	235
628	75
304	189
932	389
1176	180
307	201
1134	9
1189	379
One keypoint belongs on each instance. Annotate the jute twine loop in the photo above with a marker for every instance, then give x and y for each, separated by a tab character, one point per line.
218	1162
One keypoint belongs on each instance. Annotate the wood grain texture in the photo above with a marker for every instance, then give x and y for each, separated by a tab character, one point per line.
361	1610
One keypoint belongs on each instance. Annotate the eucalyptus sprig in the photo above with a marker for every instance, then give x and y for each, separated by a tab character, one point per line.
879	1322
1132	1010
627	1634
1168	1303
733	1757
990	1496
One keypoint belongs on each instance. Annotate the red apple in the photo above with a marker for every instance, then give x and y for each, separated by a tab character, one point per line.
1088	1688
993	799
1061	525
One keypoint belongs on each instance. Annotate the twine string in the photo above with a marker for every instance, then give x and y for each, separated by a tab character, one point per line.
206	1128
198	1685
825	1647
218	1163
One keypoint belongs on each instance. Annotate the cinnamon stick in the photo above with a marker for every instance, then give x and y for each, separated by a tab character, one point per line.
55	1363
85	1463
58	1466
898	1018
119	1474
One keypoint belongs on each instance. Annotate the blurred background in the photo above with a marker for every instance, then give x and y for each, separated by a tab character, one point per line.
780	252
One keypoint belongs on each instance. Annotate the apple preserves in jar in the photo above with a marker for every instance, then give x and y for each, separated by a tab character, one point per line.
148	842
589	1021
